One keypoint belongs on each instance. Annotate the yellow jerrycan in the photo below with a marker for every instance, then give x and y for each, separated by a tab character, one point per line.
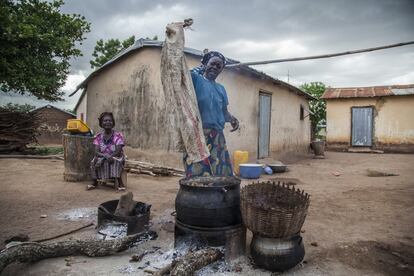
239	157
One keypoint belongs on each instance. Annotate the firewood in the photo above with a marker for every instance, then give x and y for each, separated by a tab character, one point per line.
194	261
125	206
165	270
17	129
32	251
139	167
191	262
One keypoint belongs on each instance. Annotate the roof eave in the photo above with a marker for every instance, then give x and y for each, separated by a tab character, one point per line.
140	43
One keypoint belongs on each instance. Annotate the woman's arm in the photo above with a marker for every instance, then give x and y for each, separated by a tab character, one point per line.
231	119
117	152
98	152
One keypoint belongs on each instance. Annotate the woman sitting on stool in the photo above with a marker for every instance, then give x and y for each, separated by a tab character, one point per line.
109	158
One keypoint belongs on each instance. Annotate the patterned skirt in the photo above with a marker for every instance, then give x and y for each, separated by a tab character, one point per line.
217	164
102	169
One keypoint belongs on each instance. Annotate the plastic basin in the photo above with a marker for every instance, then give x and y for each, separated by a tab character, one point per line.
251	171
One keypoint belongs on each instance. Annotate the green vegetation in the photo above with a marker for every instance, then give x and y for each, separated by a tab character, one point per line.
41	150
105	50
17	107
318	107
37	41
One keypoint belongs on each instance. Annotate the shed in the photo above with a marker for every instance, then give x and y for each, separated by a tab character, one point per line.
379	117
53	122
270	111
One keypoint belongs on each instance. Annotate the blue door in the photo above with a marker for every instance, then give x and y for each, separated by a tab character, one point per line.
362	118
265	103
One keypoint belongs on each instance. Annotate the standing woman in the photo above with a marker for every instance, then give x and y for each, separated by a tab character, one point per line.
109	158
212	103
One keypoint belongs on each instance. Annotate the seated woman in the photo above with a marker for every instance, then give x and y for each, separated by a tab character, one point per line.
109	158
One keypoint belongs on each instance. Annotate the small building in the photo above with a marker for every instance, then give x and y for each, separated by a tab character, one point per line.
379	117
53	122
272	114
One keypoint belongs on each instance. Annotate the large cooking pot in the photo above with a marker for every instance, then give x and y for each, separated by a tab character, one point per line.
209	201
277	254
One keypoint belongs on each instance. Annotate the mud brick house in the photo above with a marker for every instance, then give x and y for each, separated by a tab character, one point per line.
129	85
379	117
53	122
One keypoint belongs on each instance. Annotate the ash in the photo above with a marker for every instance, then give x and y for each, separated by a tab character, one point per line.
78	214
219	267
112	230
128	269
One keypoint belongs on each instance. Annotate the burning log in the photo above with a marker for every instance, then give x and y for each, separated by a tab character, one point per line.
32	251
139	167
191	262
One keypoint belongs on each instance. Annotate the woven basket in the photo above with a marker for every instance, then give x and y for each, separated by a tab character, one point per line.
273	209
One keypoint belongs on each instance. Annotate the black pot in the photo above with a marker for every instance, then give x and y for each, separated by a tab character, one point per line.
209	201
277	254
136	223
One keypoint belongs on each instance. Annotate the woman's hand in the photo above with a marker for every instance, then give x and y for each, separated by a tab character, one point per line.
234	124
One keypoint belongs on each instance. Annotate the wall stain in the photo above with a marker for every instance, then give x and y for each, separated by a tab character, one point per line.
142	113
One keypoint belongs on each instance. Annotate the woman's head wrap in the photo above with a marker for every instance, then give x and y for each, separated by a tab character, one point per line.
211	54
106	114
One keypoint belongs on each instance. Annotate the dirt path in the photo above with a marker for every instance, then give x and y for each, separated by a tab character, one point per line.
362	225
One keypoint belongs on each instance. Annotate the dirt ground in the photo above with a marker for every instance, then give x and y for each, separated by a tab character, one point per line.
358	225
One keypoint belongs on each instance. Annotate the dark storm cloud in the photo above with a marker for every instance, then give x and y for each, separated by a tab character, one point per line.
258	30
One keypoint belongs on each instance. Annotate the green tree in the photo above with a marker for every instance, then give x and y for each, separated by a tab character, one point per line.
318	107
105	50
37	42
18	107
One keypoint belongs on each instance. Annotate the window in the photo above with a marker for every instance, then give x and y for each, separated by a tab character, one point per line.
302	113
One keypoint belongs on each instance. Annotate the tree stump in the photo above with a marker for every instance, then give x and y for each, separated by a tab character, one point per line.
126	205
78	153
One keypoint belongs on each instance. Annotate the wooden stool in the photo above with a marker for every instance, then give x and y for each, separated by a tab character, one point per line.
113	182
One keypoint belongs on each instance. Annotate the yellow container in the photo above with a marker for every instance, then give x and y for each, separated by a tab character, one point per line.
77	125
239	157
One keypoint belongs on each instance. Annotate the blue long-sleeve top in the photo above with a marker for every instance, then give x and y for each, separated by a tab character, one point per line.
212	100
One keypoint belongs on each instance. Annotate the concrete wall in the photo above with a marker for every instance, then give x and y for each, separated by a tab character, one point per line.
393	122
132	90
81	112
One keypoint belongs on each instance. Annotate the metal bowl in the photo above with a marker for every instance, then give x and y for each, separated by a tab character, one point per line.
278	168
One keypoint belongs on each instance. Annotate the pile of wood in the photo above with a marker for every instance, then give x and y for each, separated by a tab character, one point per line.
139	167
17	129
190	263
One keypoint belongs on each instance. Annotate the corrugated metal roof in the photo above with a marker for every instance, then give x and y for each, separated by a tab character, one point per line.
140	43
368	92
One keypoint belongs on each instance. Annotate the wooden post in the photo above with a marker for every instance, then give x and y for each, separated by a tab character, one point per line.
78	153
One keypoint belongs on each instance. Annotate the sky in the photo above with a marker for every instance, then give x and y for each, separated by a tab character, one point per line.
253	30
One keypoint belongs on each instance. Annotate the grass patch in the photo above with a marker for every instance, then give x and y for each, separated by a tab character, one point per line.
46	150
